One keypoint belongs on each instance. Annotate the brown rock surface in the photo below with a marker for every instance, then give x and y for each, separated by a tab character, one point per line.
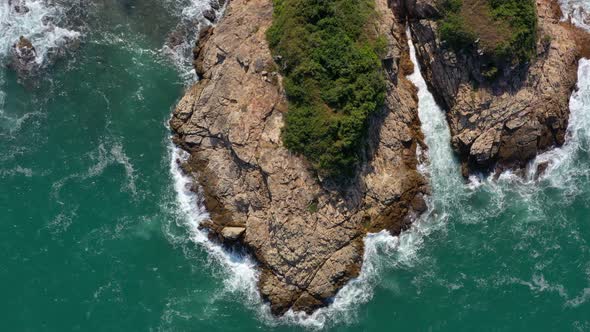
305	233
508	122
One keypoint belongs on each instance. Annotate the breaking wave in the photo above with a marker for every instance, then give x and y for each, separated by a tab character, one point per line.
194	16
37	21
578	11
242	274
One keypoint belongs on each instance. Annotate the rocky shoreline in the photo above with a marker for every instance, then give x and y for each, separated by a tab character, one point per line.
305	232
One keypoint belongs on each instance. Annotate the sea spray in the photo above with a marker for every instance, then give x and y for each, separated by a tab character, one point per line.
576	11
38	24
242	274
181	41
442	167
563	162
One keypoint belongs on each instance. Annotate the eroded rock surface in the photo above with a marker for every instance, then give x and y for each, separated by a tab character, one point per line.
508	122
306	233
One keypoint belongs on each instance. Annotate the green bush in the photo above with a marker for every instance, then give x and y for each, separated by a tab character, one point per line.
333	78
508	26
454	31
521	15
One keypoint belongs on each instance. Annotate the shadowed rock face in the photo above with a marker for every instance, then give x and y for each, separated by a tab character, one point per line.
305	233
508	122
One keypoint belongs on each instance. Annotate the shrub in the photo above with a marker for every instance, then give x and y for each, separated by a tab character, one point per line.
333	78
506	29
454	31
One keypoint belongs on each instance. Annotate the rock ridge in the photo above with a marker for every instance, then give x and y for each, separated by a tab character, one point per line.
306	233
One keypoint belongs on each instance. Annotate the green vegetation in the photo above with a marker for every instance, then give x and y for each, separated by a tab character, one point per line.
313	207
332	76
506	29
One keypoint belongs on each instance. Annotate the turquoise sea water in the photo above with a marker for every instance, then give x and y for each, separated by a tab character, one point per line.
95	235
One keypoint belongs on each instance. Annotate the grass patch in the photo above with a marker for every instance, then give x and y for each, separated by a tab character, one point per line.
332	77
506	30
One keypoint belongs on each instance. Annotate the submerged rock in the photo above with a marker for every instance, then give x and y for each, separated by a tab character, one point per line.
305	233
19	6
24	57
46	38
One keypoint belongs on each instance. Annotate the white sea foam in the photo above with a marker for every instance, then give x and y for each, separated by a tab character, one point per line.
561	170
578	11
107	153
242	274
191	22
37	25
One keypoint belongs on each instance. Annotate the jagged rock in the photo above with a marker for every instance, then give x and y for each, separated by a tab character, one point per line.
210	15
232	233
541	169
306	234
24	57
204	36
509	121
420	9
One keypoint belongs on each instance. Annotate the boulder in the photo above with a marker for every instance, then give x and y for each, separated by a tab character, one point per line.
232	233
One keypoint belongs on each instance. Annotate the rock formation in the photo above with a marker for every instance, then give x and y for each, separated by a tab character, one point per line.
524	112
24	57
306	233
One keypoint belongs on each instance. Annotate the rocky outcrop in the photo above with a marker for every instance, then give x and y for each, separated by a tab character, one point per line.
24	57
306	233
507	122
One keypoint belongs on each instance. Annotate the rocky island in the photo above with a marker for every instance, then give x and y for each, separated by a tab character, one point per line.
303	216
